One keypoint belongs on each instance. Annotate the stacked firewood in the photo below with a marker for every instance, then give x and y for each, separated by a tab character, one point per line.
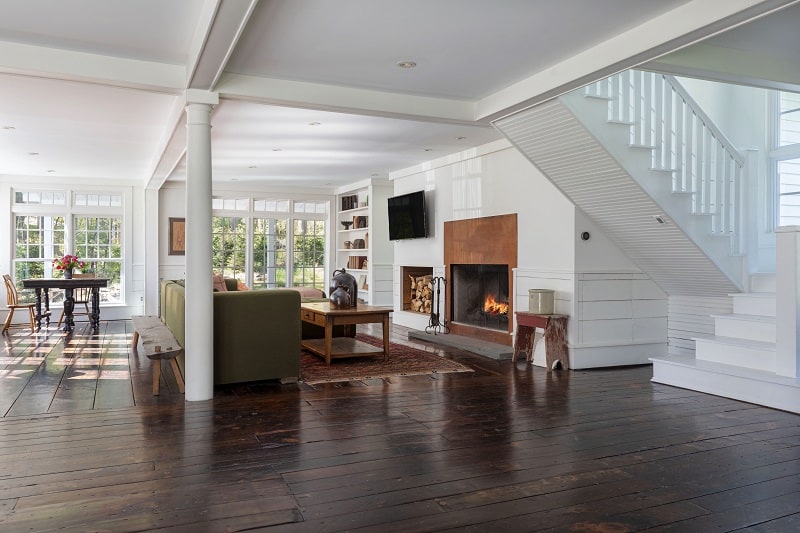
421	293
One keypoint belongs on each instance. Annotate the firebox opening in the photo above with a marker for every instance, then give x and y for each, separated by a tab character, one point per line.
479	295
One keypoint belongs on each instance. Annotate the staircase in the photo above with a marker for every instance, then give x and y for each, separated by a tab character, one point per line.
638	156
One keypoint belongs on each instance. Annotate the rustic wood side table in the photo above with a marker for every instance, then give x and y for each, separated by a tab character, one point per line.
555	337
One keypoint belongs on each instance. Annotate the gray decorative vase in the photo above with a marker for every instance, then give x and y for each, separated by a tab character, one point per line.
342	279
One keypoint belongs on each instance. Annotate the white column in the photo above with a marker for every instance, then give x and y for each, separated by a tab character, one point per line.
787	300
199	303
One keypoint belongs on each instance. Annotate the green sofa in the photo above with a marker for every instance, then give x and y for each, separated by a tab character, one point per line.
256	333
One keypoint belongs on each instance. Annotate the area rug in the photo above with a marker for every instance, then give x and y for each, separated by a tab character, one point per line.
403	361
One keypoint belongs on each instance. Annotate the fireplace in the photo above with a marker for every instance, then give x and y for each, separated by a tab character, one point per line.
480	255
479	295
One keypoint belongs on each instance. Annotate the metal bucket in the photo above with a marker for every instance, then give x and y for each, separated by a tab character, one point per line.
541	301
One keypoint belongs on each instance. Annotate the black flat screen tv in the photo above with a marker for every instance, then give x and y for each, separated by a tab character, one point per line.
407	219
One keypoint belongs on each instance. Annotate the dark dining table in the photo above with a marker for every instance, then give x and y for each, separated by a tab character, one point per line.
42	288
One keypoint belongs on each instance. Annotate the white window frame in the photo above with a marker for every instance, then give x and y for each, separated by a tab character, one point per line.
290	215
69	211
777	154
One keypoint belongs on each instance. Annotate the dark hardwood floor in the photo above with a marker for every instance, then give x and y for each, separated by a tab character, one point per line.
84	446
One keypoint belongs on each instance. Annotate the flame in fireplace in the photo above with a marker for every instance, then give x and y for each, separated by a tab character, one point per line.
493	307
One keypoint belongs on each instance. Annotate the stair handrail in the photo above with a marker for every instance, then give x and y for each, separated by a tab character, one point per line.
698	110
680	138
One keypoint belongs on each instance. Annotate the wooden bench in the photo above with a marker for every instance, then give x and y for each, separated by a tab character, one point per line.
159	343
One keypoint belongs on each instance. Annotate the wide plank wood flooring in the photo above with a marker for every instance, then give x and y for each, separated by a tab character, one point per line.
84	446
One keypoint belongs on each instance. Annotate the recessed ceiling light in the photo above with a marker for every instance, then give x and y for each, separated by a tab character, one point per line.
9	128
406	64
375	175
314	123
277	149
429	149
33	153
460	138
252	166
51	171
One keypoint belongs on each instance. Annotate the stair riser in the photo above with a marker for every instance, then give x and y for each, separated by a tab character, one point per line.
743	329
716	352
745	304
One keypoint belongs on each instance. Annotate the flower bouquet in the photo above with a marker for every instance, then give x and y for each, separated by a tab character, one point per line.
67	263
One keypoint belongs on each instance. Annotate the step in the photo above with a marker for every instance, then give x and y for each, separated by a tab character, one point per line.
748	327
746	384
736	352
754	303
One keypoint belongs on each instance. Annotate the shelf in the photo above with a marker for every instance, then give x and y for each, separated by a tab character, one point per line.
356	210
352	230
359	250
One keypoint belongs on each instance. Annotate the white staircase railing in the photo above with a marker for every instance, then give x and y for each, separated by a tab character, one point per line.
684	141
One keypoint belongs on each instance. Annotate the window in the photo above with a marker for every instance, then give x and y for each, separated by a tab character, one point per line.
228	246
785	155
269	253
254	246
51	223
309	254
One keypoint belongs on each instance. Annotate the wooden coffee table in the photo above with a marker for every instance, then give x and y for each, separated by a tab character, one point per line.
327	316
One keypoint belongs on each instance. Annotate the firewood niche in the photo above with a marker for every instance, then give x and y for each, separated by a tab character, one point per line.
417	289
421	293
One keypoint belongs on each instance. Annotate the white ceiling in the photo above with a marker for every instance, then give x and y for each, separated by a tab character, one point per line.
93	89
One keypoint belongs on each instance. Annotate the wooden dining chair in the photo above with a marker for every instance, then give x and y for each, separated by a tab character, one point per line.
12	302
81	296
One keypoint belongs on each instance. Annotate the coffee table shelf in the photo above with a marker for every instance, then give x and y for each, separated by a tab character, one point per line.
324	314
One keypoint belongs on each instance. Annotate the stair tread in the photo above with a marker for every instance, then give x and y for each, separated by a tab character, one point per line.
752	294
735	341
749	318
691	361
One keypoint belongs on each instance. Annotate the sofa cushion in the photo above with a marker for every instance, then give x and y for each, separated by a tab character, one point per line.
218	283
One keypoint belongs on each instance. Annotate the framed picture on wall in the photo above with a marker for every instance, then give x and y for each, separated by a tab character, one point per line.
177	236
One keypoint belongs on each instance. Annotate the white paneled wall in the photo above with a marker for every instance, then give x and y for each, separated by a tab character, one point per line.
691	317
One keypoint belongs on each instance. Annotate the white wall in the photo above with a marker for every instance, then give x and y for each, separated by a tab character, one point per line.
627	327
171	203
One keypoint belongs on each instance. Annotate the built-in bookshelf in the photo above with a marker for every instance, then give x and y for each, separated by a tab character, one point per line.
362	239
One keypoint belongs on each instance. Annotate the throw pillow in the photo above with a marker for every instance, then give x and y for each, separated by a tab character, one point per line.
218	282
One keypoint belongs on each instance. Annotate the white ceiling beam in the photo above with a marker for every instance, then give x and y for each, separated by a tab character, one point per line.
220	25
344	99
171	147
70	65
684	25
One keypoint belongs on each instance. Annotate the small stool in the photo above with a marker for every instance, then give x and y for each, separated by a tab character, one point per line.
555	337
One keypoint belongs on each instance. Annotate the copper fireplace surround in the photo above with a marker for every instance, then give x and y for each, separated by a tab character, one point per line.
482	241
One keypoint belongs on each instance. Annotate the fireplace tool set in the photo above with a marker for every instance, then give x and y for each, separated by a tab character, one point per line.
435	324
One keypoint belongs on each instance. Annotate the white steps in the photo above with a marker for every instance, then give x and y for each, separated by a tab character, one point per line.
745	384
754	303
739	360
748	327
738	352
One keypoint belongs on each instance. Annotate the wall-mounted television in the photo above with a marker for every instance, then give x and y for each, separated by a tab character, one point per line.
407	218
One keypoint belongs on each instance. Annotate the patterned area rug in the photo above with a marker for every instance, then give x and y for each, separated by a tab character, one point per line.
403	361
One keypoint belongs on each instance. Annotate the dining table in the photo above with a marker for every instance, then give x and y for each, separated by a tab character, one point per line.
42	287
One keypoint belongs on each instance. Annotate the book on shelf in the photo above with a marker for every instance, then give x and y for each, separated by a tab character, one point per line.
349	202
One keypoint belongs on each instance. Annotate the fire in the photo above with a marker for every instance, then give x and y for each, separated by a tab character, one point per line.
492	307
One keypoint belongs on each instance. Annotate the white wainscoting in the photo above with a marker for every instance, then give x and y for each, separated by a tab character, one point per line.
615	318
690	317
